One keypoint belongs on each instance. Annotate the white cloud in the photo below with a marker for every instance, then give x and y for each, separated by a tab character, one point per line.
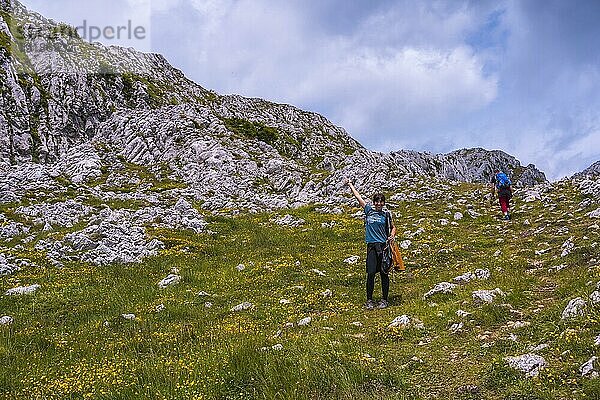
270	50
403	92
538	147
583	149
423	24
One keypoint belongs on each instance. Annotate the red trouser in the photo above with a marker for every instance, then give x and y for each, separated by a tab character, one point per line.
504	204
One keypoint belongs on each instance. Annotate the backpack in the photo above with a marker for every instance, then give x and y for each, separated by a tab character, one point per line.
502	180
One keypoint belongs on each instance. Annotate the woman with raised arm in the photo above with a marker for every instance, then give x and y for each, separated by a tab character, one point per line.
379	230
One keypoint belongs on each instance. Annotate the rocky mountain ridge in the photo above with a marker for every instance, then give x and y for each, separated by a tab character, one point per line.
83	111
591	171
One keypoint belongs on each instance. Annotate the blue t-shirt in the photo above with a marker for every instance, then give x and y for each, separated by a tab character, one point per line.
375	229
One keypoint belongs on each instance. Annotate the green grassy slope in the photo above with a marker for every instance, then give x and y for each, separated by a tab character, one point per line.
70	341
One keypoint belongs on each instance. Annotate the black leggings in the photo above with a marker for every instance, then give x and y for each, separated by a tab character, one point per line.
385	285
374	259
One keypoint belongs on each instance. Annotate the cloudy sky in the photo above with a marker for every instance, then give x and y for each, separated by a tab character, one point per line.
520	76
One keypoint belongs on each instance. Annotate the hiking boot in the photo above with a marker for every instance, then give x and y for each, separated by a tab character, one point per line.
506	217
370	304
383	304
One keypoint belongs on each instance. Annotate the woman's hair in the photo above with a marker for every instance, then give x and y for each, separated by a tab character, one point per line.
378	197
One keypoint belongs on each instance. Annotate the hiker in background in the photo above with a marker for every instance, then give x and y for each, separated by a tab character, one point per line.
501	183
379	230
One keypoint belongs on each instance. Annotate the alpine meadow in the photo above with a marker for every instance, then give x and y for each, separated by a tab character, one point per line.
159	240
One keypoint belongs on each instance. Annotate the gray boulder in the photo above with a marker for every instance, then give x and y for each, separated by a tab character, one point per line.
487	296
575	308
22	290
440	288
530	364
